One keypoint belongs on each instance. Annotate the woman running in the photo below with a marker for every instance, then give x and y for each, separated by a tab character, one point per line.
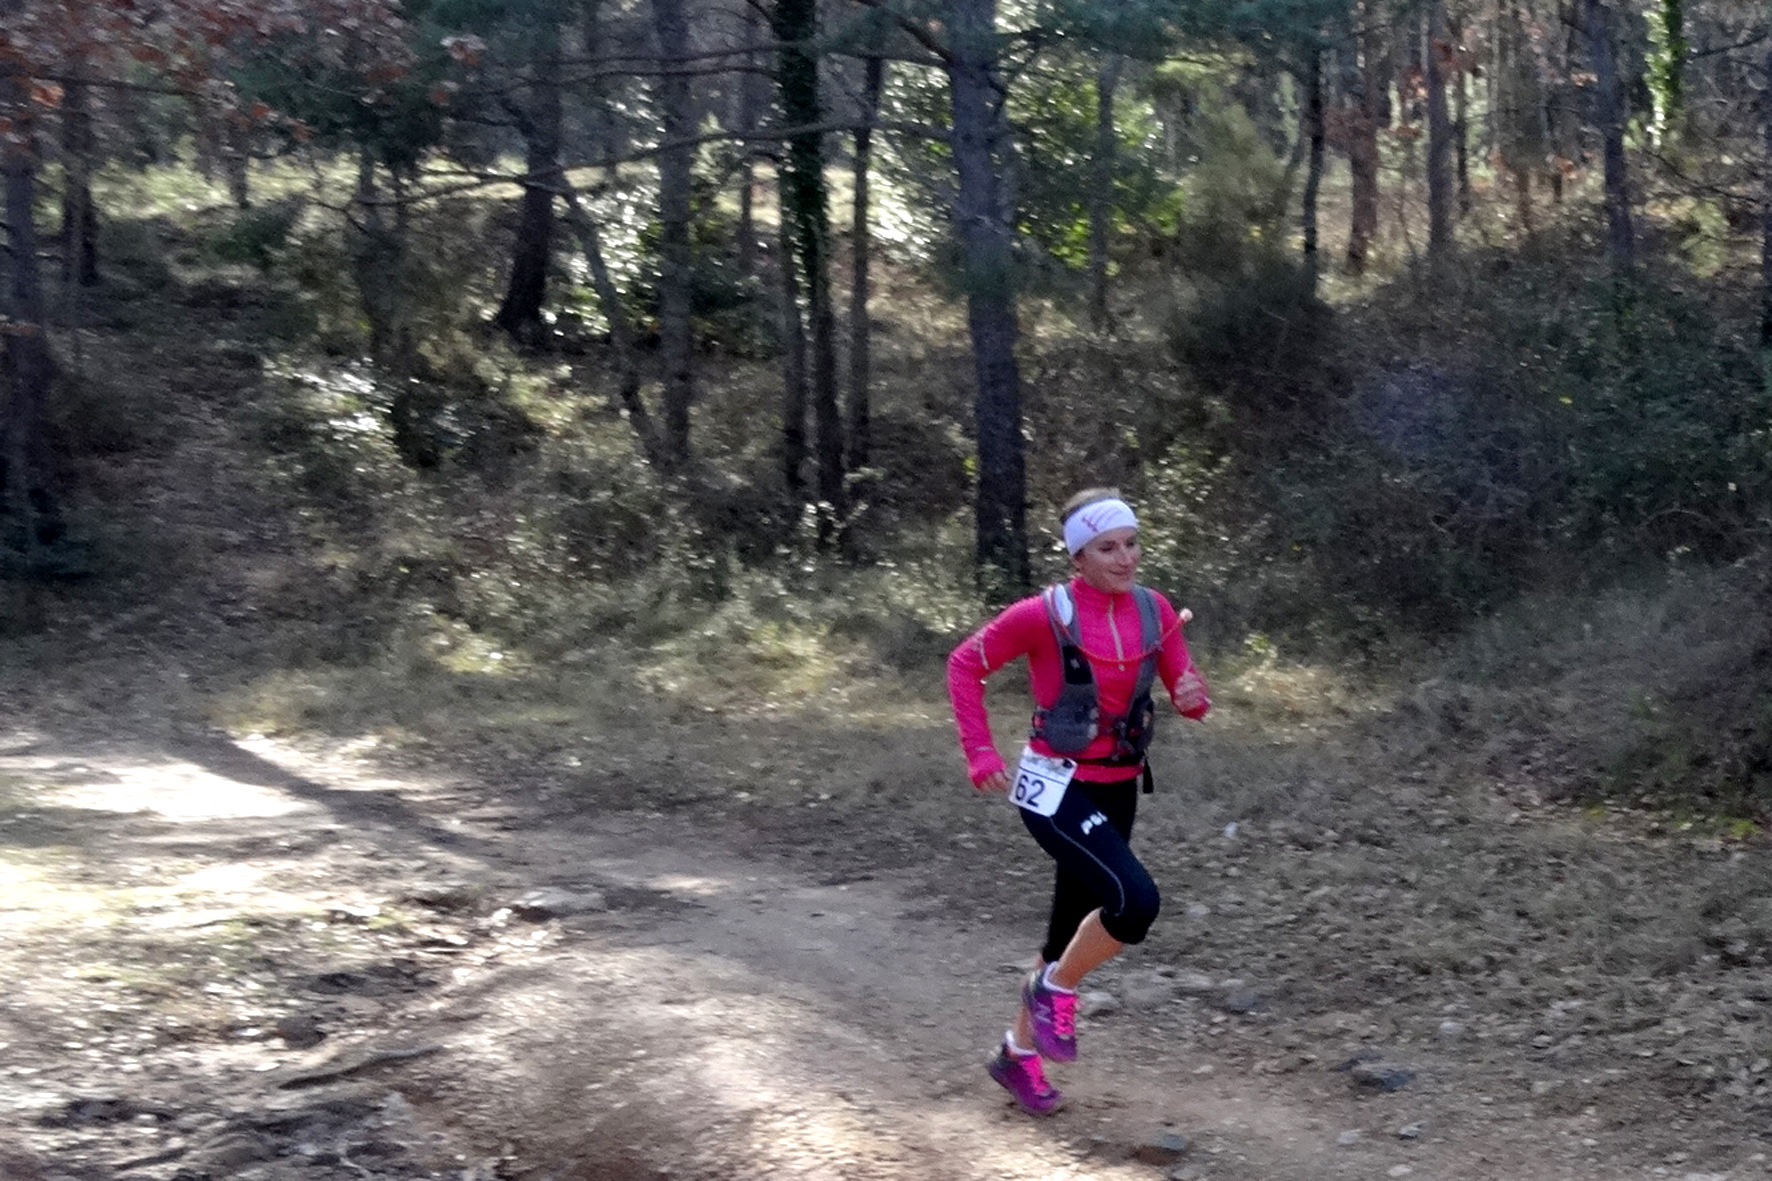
1095	647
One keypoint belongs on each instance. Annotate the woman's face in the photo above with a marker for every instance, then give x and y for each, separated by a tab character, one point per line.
1110	561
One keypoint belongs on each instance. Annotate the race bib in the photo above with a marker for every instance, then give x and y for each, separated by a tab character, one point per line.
1040	782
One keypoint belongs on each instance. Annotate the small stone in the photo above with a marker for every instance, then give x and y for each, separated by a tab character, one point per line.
1399	1171
1381	1076
1147	990
1244	1000
1409	1132
1186	1173
233	1150
300	1031
1348	1138
1165	1148
1195	983
1356	1058
1098	1003
1451	1030
555	902
1198	910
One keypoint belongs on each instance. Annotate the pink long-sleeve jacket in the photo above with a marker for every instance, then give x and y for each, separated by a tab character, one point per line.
1113	642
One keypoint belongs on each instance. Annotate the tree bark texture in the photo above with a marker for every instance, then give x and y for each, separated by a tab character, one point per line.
1461	147
1609	117
1362	150
861	281
28	514
1101	190
1312	134
621	332
676	165
806	210
1439	131
987	258
79	227
533	252
749	100
1766	226
793	363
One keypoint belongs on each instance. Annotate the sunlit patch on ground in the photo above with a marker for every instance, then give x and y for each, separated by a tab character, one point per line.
181	792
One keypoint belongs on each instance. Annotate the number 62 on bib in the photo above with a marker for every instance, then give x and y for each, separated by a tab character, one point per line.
1040	782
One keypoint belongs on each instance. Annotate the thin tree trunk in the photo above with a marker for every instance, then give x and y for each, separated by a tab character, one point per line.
1312	132
1609	116
806	209
376	263
987	261
1667	82
1461	129
79	228
860	286
1362	150
1101	190
533	252
1439	133
793	362
621	332
236	159
748	102
676	167
28	512
1766	223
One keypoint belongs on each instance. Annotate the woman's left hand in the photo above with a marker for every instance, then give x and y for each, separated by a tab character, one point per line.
995	781
1190	694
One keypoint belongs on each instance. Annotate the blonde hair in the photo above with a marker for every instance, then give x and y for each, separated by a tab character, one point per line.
1084	499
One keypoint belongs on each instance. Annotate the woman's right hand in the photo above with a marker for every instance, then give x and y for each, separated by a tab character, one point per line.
995	781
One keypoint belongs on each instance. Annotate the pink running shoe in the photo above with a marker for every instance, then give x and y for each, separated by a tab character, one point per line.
1053	1014
1023	1077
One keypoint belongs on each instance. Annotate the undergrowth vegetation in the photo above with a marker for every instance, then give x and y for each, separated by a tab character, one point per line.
1445	478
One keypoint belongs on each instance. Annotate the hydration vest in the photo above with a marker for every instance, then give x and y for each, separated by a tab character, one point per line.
1072	722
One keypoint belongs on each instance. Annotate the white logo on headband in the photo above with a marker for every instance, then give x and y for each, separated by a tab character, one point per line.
1092	520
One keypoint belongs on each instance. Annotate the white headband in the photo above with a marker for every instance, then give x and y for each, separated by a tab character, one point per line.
1092	520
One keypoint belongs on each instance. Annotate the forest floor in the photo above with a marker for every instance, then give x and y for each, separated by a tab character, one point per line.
654	937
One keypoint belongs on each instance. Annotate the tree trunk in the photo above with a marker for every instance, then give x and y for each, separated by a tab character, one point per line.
1312	133
793	361
236	147
1766	226
1439	132
1609	117
987	263
375	251
1362	149
79	228
621	332
806	210
29	516
860	286
533	253
676	166
1667	62
748	102
1101	190
1461	128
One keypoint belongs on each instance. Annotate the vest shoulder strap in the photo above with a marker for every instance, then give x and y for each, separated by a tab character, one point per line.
1061	613
1151	637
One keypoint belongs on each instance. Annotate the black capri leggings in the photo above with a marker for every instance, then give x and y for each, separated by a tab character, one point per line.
1088	837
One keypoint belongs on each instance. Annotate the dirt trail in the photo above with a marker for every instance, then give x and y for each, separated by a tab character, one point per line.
675	1009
